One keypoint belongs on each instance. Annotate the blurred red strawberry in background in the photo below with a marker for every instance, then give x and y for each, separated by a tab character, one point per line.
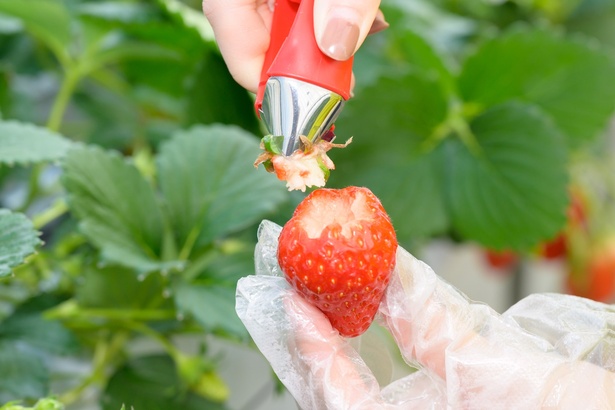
590	237
500	260
576	219
596	278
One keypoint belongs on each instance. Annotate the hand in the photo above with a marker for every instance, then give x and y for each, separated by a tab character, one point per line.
547	351
242	31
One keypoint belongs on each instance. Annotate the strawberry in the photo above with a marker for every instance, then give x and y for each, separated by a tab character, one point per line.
500	259
338	251
597	280
555	248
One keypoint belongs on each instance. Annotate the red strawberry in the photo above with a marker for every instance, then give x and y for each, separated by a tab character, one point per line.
555	248
597	281
500	259
338	251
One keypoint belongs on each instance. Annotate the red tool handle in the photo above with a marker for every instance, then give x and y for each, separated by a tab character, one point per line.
294	53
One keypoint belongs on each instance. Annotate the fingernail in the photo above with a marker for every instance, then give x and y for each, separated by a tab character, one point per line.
379	23
340	38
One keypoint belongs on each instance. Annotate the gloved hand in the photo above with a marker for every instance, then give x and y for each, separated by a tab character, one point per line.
242	30
547	351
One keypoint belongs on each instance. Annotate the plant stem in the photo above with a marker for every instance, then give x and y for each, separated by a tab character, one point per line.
199	264
56	210
147	331
35	174
69	310
134	314
104	352
71	78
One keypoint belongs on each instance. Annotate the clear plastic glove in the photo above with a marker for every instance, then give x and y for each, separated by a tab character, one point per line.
242	30
547	351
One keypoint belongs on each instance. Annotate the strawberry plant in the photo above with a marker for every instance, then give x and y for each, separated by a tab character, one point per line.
136	219
129	201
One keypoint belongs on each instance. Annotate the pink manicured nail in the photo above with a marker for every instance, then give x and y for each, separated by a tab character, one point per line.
340	38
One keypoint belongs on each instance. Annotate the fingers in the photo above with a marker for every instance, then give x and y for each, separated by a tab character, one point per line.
319	368
341	26
485	359
241	28
425	314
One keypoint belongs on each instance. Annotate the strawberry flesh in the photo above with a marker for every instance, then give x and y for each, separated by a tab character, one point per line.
338	251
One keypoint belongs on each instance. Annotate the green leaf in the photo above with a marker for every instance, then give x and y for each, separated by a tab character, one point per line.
24	375
422	57
5	91
236	261
390	123
189	17
27	326
38	332
515	193
151	383
210	185
23	143
119	12
117	287
570	79
10	25
42	404
48	20
117	208
414	198
128	50
169	76
595	20
213	96
211	305
399	111
18	239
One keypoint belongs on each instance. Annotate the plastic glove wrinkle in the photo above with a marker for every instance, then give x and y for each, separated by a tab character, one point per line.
424	313
576	328
266	250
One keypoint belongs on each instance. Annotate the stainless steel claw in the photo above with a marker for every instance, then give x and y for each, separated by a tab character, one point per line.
292	108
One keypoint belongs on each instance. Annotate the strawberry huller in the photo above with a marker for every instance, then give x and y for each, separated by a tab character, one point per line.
302	90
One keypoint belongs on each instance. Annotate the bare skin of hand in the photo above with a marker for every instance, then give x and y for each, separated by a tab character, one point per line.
340	28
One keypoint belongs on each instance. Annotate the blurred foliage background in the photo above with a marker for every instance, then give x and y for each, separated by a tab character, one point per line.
130	203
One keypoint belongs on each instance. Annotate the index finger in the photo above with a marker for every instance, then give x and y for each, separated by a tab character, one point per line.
241	28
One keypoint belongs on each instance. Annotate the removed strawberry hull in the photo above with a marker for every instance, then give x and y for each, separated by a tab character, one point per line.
338	251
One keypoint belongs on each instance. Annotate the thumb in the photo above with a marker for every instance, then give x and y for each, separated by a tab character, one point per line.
341	26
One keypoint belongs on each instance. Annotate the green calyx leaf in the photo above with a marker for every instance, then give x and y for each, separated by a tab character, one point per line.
273	144
268	165
325	170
